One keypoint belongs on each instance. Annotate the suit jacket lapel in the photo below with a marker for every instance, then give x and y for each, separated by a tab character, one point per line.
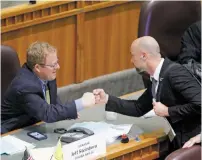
35	82
163	71
53	91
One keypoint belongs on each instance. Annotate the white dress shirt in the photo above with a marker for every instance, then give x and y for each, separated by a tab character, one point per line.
156	77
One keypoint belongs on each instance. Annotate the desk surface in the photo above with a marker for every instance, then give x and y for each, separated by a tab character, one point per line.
154	130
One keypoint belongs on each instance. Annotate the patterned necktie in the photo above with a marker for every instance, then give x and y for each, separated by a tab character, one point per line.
47	95
154	83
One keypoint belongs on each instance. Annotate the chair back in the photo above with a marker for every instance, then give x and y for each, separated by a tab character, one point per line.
10	64
192	153
166	21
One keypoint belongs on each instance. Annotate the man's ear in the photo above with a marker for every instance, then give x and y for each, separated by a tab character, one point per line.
143	56
37	68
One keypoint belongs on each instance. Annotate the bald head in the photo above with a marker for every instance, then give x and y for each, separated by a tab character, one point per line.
146	44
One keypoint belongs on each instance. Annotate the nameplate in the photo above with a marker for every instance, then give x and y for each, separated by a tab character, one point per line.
88	148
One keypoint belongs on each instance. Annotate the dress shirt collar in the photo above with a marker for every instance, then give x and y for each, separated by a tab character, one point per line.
158	70
43	82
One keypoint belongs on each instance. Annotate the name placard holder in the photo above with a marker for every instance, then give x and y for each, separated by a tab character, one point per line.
88	148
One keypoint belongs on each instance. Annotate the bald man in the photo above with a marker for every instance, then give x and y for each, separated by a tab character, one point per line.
174	93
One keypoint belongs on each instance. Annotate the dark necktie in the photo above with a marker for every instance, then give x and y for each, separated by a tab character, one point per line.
47	94
154	83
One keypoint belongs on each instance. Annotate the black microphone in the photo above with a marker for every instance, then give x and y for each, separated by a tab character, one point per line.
32	2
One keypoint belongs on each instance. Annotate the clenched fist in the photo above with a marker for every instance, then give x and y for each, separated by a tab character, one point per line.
160	109
88	99
100	96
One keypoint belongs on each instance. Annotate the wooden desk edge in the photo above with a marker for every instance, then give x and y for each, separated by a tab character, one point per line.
14	131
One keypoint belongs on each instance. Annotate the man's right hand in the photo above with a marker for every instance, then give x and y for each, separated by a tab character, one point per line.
100	96
192	141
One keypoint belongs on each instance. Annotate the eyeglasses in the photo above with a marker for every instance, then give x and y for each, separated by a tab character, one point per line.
50	65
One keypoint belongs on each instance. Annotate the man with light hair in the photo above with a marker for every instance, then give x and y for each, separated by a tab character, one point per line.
173	92
32	95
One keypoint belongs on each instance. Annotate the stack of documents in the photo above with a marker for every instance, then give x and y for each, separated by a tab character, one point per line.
11	145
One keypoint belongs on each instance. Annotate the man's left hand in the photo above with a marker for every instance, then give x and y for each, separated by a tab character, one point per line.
160	109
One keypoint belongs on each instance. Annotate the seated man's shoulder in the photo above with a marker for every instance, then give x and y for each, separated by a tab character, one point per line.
23	82
177	70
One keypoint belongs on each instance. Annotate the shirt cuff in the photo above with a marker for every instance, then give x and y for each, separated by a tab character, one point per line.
79	105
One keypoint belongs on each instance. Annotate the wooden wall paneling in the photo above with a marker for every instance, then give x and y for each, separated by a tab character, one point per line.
88	3
133	18
26	8
102	4
109	33
123	38
3	22
64	7
29	16
17	40
89	44
22	42
56	12
129	17
114	42
72	6
80	33
97	42
63	34
98	54
107	24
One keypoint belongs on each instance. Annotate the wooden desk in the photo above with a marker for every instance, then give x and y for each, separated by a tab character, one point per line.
149	147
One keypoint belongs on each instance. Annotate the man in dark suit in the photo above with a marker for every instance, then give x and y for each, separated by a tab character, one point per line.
32	95
190	51
191	44
173	93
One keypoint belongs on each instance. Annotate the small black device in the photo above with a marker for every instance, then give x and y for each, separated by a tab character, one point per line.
32	1
60	130
75	134
36	135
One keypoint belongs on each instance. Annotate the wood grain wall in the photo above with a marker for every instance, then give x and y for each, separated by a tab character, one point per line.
92	37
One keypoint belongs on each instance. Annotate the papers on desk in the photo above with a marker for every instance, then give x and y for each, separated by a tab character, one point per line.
40	153
110	132
171	133
149	114
11	145
91	147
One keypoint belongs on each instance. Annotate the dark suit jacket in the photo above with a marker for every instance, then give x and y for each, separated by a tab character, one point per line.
180	92
24	103
191	44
